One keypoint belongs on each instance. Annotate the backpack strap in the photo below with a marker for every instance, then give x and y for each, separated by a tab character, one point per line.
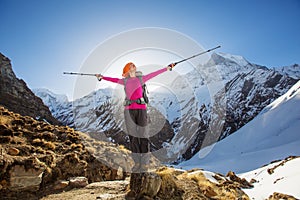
141	80
145	90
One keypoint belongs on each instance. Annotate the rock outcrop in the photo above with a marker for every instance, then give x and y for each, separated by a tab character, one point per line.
168	183
37	158
17	97
279	196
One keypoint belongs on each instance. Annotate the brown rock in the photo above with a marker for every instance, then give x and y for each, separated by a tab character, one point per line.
278	196
17	97
242	182
59	185
145	184
13	151
25	180
209	192
78	182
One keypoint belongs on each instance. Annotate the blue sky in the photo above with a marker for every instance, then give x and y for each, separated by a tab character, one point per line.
43	38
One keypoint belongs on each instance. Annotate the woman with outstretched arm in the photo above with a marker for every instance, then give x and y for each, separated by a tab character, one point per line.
135	112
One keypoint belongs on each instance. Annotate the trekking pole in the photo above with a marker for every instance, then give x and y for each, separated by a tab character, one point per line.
196	55
81	74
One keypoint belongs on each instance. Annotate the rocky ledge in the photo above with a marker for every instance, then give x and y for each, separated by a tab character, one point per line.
37	158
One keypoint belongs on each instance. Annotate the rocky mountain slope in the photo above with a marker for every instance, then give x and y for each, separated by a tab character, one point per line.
206	104
99	115
17	97
38	158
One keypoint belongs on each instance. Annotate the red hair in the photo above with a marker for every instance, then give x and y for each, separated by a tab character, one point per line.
126	69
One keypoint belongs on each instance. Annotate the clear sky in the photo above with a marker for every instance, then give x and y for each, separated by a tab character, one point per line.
43	38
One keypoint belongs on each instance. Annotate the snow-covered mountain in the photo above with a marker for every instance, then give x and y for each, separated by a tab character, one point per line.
73	113
271	135
237	91
195	110
292	71
58	105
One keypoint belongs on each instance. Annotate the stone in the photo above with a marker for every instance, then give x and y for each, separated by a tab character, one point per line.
25	180
277	196
144	184
242	182
59	185
13	151
78	182
119	174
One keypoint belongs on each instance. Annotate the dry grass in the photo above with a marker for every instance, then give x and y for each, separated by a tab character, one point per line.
43	143
184	185
222	190
77	147
169	188
5	120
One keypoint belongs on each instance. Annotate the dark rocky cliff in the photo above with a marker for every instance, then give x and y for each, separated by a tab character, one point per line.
17	97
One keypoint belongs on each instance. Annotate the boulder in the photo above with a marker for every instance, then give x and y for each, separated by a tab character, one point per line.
22	179
59	185
78	182
144	185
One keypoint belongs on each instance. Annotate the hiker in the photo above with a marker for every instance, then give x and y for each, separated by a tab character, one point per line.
135	112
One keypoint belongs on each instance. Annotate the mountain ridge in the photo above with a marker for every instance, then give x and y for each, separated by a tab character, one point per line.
244	89
275	127
17	97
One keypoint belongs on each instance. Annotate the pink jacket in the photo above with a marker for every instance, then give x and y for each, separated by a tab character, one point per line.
134	88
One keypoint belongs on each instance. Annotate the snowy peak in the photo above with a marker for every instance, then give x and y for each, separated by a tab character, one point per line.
218	58
55	102
47	94
292	71
228	66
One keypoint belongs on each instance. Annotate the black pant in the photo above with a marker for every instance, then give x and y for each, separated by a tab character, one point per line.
136	124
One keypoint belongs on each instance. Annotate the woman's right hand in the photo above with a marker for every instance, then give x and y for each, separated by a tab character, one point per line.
99	76
170	66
